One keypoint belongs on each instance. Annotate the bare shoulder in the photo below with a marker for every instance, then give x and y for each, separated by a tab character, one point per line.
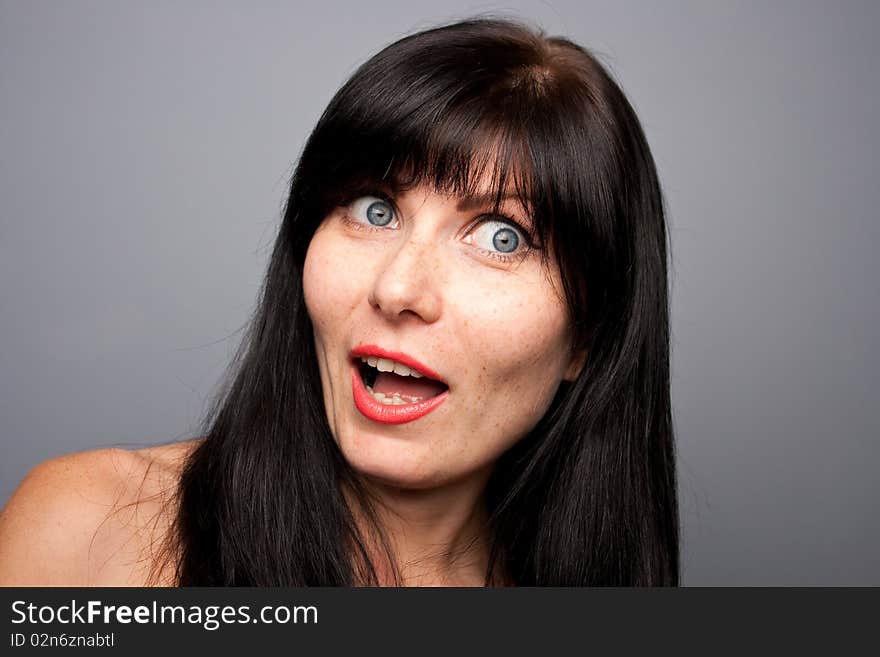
95	518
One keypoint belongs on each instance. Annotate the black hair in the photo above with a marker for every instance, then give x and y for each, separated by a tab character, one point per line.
588	497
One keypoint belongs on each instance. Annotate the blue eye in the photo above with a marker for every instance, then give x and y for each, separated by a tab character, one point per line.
497	235
505	240
375	210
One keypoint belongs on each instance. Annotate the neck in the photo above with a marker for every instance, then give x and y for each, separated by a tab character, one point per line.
437	536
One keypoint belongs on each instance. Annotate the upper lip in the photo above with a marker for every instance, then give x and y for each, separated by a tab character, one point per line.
367	350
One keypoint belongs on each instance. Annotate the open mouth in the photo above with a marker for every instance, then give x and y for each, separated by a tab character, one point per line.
392	387
394	384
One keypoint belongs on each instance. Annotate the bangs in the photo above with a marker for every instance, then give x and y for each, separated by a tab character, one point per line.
469	136
457	154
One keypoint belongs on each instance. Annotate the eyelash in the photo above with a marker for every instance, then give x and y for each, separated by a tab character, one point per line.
500	257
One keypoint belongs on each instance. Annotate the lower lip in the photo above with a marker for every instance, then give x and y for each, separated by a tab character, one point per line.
388	413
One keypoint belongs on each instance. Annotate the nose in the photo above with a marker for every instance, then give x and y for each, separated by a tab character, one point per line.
407	282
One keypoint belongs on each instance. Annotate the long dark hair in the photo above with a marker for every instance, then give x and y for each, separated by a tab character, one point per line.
589	496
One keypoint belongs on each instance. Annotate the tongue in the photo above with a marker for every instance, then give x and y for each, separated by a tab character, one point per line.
388	383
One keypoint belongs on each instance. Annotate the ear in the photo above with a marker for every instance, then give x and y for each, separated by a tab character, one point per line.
575	365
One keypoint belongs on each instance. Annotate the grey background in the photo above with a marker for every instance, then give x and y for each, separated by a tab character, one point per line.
144	155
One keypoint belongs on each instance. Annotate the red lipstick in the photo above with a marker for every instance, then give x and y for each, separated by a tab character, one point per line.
375	410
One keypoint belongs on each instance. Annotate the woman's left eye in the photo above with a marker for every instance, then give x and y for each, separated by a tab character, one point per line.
499	239
373	210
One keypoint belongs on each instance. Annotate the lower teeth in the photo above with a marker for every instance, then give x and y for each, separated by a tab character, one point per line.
393	400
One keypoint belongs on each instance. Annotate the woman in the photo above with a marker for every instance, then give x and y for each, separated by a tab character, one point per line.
458	373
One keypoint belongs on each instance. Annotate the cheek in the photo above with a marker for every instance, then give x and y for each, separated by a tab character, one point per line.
330	291
519	333
329	283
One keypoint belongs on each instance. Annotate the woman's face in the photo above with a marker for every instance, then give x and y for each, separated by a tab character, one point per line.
439	282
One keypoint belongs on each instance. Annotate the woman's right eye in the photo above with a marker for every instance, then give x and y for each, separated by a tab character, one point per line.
372	210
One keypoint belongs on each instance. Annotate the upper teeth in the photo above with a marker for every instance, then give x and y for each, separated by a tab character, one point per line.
388	365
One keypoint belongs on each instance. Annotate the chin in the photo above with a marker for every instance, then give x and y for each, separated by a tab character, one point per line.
386	461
